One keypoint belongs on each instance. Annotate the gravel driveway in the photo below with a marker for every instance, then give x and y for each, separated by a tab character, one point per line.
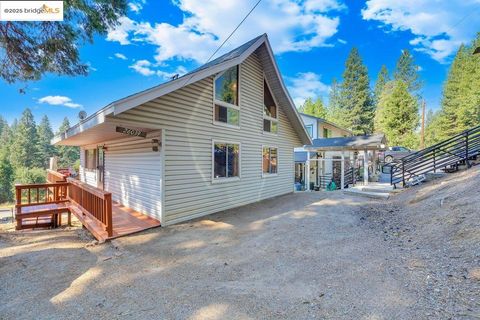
299	256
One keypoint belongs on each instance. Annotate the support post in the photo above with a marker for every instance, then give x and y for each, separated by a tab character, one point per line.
342	175
307	174
466	151
365	167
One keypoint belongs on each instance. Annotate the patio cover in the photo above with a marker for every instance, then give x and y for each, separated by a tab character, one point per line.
366	142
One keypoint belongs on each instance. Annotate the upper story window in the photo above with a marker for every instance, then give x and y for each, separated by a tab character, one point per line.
270	111
309	128
226	97
327	133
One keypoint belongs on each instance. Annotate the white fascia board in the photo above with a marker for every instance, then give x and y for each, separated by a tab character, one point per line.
95	119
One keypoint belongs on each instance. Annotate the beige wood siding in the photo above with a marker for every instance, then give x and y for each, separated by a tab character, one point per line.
187	117
336	132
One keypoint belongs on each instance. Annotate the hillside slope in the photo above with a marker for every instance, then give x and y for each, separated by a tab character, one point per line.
436	229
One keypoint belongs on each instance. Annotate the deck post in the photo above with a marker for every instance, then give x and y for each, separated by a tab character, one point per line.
108	213
365	167
307	173
342	175
18	200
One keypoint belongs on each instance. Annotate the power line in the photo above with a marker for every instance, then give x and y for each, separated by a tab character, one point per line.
230	35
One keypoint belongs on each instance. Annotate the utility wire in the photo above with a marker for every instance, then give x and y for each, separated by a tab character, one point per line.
225	41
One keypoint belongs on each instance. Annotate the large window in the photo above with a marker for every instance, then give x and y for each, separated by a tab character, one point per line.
270	112
226	97
91	159
270	160
226	160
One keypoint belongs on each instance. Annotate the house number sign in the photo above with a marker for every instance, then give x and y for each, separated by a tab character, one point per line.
131	132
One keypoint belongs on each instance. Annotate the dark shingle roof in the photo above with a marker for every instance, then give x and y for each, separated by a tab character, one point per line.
376	141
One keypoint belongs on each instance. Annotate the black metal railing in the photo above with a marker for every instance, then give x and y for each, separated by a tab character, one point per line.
457	150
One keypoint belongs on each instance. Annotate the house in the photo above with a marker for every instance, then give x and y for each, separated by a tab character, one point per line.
219	137
321	171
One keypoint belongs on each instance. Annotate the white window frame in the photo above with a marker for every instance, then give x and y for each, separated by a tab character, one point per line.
226	179
267	174
226	104
265	117
310	126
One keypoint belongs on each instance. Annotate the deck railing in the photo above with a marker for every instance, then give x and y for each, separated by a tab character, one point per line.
54	176
93	202
40	194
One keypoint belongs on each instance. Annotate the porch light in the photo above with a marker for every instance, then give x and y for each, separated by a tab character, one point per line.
155	145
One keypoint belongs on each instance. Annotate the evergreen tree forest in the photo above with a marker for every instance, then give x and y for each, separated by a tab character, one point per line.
392	105
25	150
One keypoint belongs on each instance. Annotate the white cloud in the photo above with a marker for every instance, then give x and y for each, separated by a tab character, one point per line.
59	101
290	24
136	6
342	41
120	33
439	27
306	85
143	67
120	56
147	68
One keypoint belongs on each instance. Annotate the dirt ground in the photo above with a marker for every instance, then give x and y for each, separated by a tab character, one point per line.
321	255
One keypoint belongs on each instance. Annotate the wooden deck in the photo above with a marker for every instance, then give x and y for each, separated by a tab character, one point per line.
42	206
125	221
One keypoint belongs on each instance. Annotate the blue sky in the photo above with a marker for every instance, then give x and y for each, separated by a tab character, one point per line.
311	40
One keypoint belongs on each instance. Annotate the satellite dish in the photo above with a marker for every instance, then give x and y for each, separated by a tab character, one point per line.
82	115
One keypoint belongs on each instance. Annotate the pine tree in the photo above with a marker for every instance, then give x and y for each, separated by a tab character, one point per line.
45	135
407	71
334	104
460	106
314	108
400	115
382	79
6	178
357	110
24	148
67	155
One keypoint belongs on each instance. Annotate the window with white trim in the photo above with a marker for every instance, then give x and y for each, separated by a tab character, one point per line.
309	128
270	160
226	160
226	97
270	111
91	159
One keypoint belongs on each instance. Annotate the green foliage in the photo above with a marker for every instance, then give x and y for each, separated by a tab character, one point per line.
24	147
407	71
460	107
67	155
6	179
314	108
32	49
45	148
355	110
398	116
30	175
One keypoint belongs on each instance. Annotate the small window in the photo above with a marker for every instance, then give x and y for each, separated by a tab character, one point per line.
270	111
309	128
226	97
327	133
226	160
91	159
270	160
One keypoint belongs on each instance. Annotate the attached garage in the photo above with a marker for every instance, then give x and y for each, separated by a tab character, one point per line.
133	173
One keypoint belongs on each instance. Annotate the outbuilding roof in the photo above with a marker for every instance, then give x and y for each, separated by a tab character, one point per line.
365	142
